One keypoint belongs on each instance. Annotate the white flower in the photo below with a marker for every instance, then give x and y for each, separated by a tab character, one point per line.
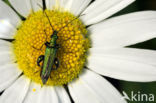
109	55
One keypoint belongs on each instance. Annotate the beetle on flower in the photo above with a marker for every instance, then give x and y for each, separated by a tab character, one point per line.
90	46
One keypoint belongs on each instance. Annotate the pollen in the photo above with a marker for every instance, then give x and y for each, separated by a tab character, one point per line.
34	90
36	30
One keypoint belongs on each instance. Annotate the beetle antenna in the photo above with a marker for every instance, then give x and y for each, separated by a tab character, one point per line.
70	22
49	21
46	15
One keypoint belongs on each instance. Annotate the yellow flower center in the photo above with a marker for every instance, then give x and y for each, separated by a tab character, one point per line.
72	39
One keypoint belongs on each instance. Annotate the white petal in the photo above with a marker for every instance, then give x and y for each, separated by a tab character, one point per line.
102	9
33	93
22	6
8	74
4	46
125	64
124	30
36	5
5	53
30	6
50	4
8	21
5	58
76	6
92	88
16	92
62	95
60	4
138	55
45	94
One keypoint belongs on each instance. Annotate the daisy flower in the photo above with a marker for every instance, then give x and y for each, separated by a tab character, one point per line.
89	45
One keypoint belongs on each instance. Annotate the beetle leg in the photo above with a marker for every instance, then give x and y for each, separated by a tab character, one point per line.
57	46
47	44
40	59
50	77
36	72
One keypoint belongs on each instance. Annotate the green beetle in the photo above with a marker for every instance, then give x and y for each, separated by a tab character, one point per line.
49	59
